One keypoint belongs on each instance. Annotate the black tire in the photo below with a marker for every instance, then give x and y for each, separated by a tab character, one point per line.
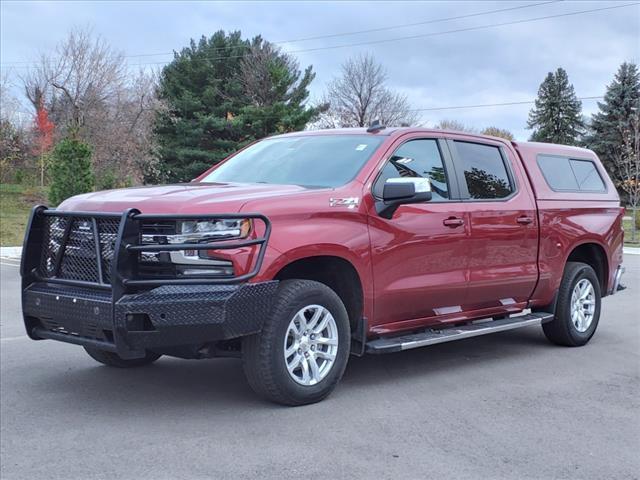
263	353
562	330
114	360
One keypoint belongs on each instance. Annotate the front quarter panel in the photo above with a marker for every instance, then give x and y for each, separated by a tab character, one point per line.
318	224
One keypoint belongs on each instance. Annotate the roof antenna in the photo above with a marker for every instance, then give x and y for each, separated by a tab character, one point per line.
375	127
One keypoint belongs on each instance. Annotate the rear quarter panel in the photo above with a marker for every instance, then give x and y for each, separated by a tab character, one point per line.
570	219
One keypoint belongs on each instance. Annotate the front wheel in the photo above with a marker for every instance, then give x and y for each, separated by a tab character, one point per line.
302	350
577	308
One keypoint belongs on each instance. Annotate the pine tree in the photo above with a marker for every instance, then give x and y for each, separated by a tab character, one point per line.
556	116
222	93
614	121
71	172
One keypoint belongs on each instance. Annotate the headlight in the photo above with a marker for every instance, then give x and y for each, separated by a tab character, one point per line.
198	231
202	231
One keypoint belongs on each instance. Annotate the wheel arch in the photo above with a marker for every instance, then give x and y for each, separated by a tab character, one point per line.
594	255
337	273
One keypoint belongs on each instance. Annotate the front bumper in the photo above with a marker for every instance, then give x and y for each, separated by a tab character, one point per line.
167	316
83	282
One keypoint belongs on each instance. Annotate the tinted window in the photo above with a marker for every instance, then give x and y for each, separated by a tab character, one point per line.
416	158
484	171
562	173
587	175
557	172
311	161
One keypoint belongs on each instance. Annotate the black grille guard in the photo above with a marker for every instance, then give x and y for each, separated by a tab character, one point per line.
117	271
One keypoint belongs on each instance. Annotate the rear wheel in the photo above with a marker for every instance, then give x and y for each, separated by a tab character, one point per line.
114	360
302	350
577	308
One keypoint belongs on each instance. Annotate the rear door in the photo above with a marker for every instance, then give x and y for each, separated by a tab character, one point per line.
503	225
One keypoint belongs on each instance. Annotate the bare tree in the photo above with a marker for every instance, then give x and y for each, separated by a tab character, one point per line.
87	91
360	96
84	74
456	125
498	132
627	167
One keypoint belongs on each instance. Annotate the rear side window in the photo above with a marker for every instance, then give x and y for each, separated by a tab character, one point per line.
484	171
570	174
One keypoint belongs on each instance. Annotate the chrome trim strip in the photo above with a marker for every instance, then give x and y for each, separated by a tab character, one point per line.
459	334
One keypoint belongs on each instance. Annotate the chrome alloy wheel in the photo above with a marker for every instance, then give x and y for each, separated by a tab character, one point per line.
311	344
583	305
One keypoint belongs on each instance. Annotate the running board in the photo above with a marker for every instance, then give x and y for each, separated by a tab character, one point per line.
449	334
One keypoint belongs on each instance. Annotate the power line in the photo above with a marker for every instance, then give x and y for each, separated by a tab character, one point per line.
410	37
424	35
429	109
344	34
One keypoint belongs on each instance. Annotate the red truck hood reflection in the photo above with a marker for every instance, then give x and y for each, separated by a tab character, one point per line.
181	198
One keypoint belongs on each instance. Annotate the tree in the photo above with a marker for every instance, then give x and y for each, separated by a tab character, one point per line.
13	151
556	116
87	91
221	93
360	96
456	125
498	132
615	124
626	163
44	137
71	172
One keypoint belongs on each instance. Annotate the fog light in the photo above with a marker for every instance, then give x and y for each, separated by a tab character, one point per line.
212	271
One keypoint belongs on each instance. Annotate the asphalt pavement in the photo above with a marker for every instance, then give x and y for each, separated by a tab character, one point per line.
508	405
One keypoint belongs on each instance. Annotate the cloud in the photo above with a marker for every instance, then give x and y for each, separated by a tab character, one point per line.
491	65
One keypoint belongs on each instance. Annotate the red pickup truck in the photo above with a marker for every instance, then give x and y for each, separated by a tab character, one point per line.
304	248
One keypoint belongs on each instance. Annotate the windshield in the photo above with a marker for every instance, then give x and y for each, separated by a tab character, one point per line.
313	161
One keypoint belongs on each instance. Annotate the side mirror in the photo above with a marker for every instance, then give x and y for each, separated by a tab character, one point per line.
402	191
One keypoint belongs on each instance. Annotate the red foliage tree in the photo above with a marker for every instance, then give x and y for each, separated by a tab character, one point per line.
44	130
44	136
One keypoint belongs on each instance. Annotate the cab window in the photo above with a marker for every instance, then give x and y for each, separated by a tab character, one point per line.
484	171
416	158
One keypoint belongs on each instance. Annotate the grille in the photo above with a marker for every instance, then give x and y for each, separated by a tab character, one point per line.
72	241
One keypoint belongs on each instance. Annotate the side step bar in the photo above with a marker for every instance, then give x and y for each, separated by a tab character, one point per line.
433	337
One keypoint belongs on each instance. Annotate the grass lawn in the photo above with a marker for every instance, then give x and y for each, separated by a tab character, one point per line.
15	204
628	226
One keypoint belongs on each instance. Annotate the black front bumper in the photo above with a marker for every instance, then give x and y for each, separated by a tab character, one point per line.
83	283
167	316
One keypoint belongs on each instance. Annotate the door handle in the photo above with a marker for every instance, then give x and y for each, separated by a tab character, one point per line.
453	222
524	220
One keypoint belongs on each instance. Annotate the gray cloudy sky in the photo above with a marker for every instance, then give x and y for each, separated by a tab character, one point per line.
480	66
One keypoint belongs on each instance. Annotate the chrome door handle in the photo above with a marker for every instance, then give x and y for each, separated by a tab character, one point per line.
524	220
453	222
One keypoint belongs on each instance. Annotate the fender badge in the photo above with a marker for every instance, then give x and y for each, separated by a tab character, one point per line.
349	202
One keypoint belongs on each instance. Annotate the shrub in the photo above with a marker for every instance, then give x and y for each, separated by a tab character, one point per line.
71	172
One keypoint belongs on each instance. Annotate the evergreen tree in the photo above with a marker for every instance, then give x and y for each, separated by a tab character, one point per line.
556	116
222	93
71	172
612	124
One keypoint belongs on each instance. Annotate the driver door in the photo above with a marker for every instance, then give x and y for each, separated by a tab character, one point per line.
420	256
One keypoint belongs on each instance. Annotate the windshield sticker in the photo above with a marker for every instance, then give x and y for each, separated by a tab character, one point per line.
361	147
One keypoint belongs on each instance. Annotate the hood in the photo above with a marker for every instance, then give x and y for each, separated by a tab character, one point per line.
193	197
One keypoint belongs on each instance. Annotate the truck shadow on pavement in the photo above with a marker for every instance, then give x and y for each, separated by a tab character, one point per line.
172	384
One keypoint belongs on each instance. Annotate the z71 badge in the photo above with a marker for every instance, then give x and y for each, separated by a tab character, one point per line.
349	202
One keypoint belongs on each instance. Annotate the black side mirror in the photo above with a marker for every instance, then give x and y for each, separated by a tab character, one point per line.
402	191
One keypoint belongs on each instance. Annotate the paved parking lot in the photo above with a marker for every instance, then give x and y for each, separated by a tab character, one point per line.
508	405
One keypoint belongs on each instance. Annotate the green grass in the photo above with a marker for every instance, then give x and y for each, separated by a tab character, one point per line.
628	228
15	204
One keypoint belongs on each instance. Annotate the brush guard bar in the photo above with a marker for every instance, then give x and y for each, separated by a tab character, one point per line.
87	289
